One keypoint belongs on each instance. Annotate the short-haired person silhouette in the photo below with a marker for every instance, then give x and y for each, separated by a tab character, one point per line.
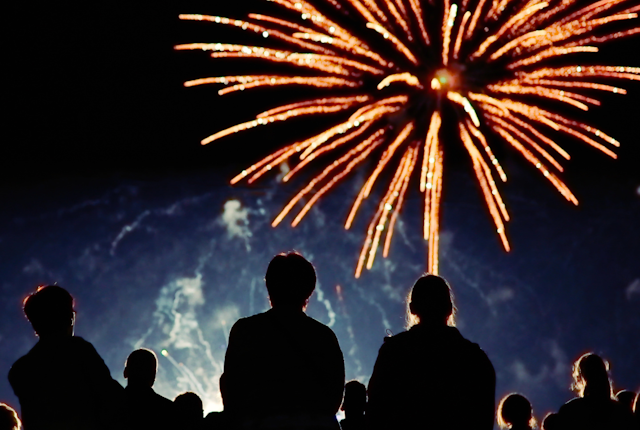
636	410
430	376
552	422
595	408
354	405
282	368
189	411
143	407
515	413
9	418
626	399
62	382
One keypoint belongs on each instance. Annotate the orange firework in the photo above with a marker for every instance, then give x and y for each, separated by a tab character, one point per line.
394	70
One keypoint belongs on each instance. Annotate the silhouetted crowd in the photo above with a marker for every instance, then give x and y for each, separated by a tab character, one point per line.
285	371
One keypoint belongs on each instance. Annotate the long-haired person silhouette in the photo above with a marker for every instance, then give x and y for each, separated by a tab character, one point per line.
430	376
594	408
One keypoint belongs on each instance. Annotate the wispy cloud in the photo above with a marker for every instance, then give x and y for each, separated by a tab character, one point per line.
633	289
235	219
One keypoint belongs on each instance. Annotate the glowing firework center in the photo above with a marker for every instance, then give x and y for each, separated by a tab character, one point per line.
443	80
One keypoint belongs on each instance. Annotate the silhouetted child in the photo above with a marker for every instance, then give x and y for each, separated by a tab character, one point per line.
282	368
515	413
189	410
143	407
9	418
552	422
430	376
62	383
595	408
354	405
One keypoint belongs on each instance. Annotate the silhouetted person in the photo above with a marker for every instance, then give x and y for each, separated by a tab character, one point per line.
143	407
354	405
62	383
595	408
9	418
515	413
626	399
282	368
636	410
552	422
430	376
189	410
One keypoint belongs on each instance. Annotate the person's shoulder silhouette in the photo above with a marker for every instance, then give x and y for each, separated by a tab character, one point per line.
281	363
9	418
594	408
62	382
143	407
429	373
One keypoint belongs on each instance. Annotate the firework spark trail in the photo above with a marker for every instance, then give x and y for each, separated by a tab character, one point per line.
489	60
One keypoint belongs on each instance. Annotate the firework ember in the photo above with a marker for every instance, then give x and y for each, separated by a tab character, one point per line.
402	69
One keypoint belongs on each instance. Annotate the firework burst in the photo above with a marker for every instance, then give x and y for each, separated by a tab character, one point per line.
400	69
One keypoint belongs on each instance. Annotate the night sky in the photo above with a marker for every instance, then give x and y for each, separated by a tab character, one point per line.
106	189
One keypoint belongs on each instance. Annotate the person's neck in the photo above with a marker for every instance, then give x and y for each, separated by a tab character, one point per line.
139	385
289	310
55	337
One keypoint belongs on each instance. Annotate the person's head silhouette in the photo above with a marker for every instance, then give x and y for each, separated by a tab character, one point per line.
591	376
515	412
355	399
626	399
431	302
140	368
290	281
50	311
189	407
9	418
551	422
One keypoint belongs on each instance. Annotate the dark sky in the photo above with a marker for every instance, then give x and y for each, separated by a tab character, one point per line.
96	89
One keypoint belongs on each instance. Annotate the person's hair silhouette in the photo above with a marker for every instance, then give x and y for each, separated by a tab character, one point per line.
591	376
290	280
515	412
422	376
283	368
50	311
354	405
141	368
189	410
9	418
595	408
62	383
430	302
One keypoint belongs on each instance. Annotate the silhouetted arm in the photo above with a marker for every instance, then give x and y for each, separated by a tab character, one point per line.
336	376
380	390
483	390
235	369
